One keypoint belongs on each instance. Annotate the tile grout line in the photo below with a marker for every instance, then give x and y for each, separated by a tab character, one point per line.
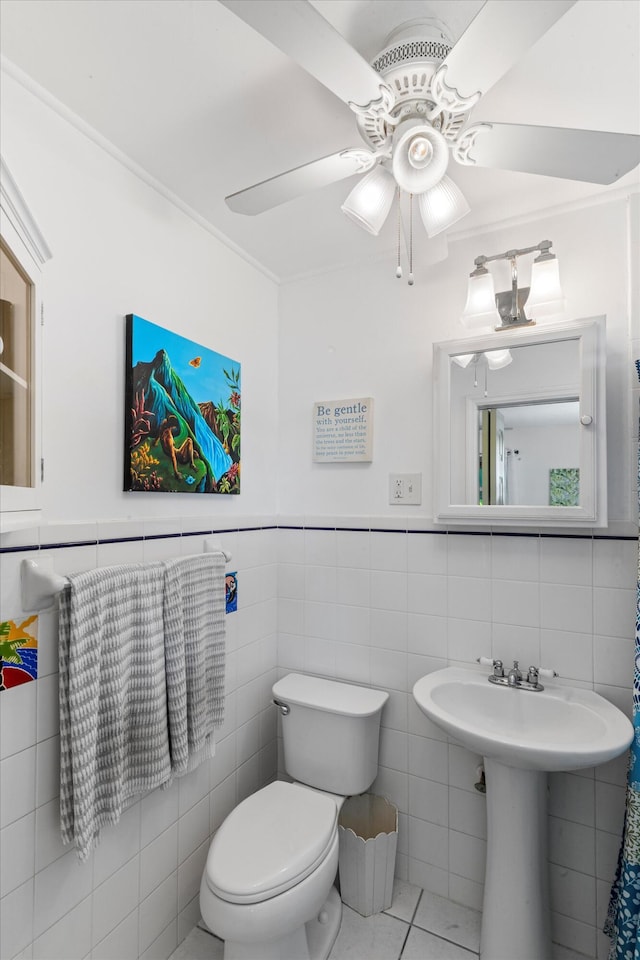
439	936
415	910
410	925
404	942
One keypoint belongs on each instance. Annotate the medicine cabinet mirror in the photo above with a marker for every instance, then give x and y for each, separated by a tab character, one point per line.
520	427
23	252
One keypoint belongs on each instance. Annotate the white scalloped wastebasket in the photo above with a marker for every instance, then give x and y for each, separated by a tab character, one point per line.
368	829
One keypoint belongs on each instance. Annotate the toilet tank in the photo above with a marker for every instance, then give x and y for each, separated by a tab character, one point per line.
330	732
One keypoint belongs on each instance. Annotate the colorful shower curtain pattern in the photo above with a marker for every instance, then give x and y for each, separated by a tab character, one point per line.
623	921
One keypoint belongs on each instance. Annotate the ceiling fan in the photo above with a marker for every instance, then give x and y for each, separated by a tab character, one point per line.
412	106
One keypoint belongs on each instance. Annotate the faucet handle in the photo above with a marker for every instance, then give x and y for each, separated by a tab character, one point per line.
535	673
498	669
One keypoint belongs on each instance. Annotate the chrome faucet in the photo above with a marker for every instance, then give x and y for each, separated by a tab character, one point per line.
514	677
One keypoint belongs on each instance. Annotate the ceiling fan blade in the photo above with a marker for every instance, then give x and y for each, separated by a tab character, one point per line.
299	181
590	155
495	40
296	28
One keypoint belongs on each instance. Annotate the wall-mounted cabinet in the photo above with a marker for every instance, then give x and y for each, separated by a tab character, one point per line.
23	253
520	427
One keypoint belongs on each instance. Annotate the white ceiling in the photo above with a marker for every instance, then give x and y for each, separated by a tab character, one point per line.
207	107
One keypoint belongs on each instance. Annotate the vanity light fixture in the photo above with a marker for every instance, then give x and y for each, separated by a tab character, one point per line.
505	310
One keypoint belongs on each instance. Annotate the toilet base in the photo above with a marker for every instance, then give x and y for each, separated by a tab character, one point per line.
313	941
321	936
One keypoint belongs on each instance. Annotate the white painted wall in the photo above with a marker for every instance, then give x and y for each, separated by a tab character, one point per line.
119	247
363	600
365	333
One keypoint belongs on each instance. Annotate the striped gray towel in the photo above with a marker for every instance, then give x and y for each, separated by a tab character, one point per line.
113	709
194	625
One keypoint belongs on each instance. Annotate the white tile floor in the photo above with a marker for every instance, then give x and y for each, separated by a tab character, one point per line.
417	926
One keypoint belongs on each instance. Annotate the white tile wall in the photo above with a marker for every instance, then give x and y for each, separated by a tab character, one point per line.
139	891
408	603
367	606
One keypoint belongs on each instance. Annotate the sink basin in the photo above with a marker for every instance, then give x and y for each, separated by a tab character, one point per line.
558	728
522	735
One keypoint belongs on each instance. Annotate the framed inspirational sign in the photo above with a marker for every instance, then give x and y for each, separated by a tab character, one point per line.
343	430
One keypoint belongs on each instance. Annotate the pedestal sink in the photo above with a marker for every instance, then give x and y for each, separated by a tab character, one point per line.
521	735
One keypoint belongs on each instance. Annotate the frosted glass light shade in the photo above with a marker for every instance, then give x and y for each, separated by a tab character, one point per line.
463	359
498	358
442	206
480	310
545	300
369	202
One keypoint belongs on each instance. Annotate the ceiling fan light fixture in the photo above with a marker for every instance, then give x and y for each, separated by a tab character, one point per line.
463	359
370	201
496	359
442	206
420	152
420	156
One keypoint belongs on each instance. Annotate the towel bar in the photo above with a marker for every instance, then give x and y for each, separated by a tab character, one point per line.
40	585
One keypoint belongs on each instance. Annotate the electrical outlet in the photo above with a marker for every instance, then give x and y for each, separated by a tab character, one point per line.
405	488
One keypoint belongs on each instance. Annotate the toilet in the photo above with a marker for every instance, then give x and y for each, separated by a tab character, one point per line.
268	885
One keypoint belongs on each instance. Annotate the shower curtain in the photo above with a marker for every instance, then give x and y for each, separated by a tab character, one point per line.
623	921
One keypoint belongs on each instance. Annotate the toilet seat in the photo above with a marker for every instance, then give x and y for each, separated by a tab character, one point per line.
270	842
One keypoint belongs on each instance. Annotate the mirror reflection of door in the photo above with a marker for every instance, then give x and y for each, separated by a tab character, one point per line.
528	454
493	484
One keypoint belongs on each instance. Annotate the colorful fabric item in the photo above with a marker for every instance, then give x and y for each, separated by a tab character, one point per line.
623	920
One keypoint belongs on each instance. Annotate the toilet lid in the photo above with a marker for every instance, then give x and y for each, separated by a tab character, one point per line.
271	841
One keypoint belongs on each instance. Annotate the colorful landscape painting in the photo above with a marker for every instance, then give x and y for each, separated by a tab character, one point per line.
182	425
18	652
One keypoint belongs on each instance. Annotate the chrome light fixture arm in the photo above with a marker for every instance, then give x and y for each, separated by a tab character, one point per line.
510	303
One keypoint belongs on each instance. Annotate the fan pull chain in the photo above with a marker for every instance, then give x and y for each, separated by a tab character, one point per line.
410	240
399	267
